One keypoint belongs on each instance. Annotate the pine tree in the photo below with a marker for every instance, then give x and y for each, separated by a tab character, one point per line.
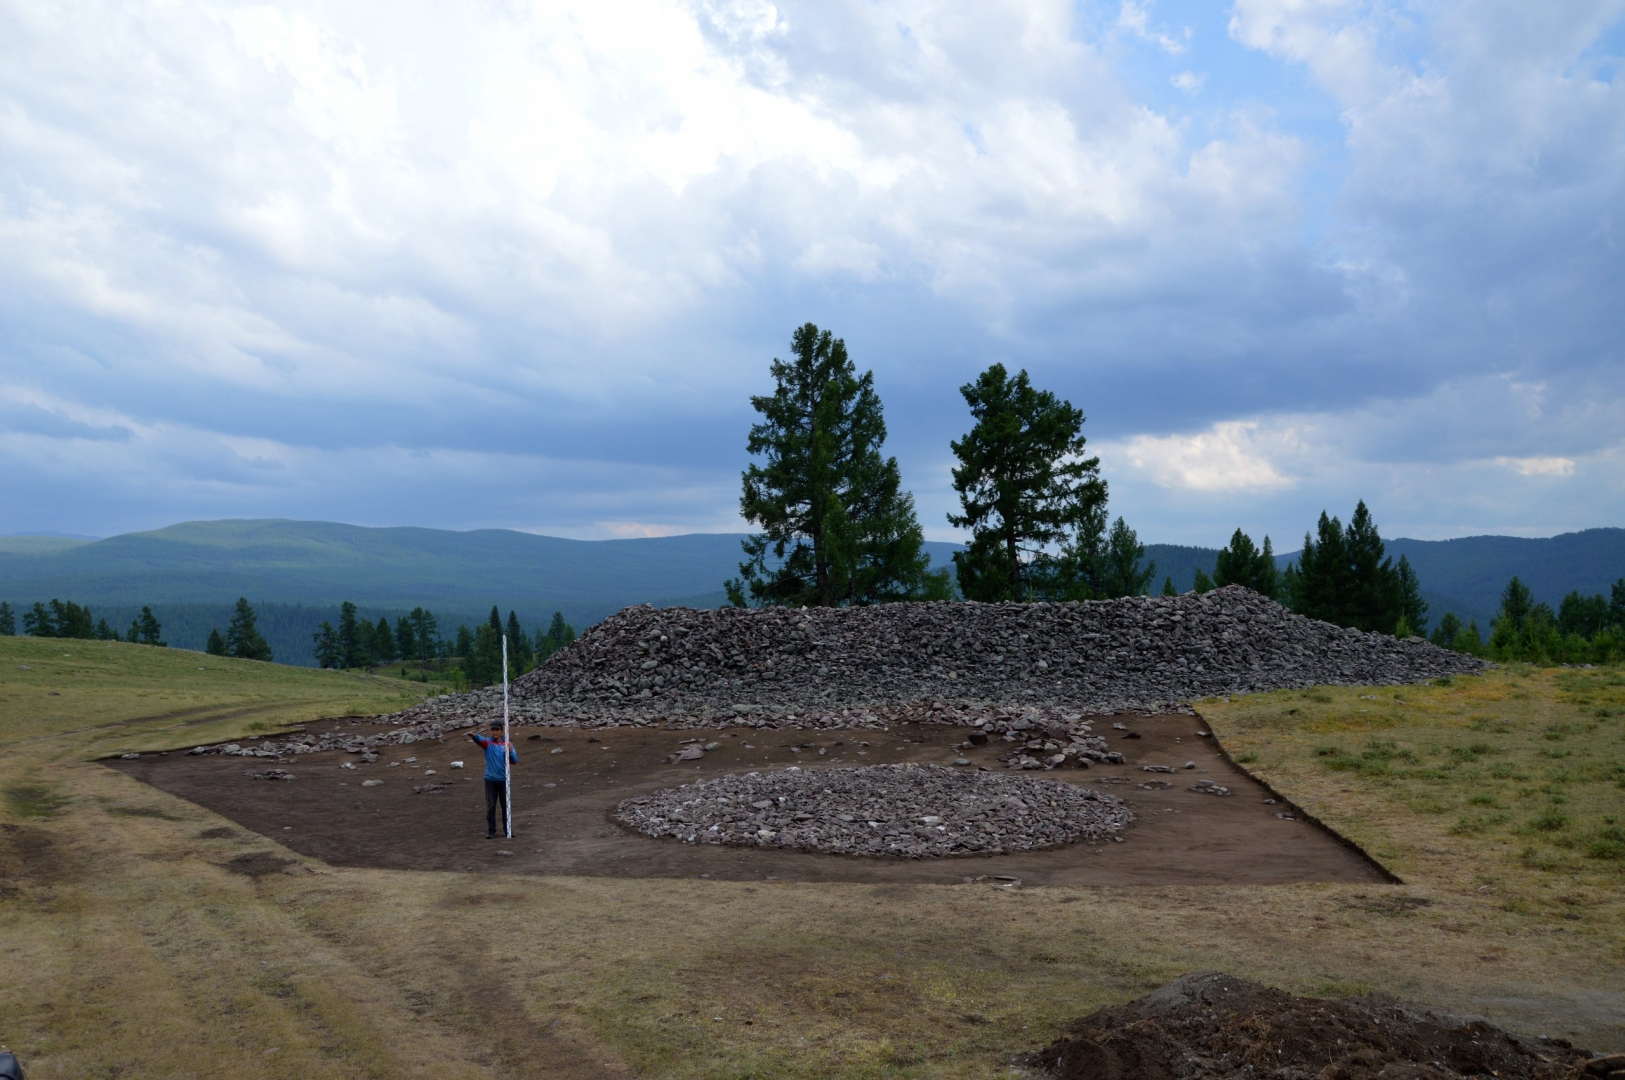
425	634
1242	563
326	650
350	654
1413	610
149	630
837	528
72	621
1343	577
1444	635
104	631
1616	605
1036	507
464	643
1322	582
383	641
8	620
1168	587
38	621
559	634
405	642
1203	583
243	639
216	645
483	665
1122	575
520	657
1516	604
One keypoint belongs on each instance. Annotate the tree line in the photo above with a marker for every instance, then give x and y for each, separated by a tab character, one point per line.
837	528
1583	629
416	638
66	619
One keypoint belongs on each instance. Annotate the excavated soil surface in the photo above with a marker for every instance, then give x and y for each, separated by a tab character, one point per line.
564	803
1212	1025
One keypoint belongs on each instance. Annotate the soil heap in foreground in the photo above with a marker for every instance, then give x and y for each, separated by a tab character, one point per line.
1211	1025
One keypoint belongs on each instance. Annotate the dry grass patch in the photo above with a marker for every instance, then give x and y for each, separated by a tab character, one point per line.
161	940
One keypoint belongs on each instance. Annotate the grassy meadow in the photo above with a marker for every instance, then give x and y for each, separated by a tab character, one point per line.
154	938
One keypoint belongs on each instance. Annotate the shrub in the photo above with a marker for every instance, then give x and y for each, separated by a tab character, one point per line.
1552	820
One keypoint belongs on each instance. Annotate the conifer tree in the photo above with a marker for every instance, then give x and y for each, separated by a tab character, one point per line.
1036	507
148	629
483	665
837	528
383	641
39	622
1413	610
1203	583
216	645
425	634
464	643
405	642
559	634
1341	576
1444	635
520	657
8	620
326	648
1121	573
1242	563
1516	603
1168	587
105	631
349	640
1616	605
243	639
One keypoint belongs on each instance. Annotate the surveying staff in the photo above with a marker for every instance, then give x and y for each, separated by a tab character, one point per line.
498	755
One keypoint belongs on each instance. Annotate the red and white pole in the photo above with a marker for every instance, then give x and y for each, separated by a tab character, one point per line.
507	748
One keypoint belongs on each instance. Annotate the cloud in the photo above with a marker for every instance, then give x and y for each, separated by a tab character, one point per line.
1539	466
1136	19
1229	457
266	249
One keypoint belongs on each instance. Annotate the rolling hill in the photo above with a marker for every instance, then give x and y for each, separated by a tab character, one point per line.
297	572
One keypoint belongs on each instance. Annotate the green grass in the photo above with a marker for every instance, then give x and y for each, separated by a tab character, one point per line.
1525	765
165	697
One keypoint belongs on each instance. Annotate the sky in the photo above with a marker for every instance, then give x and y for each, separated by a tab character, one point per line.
521	265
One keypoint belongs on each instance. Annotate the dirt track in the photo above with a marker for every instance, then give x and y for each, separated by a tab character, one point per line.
563	802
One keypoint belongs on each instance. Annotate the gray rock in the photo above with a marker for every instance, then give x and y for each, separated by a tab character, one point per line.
901	811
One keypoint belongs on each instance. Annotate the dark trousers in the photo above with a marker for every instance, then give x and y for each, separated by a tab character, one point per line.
495	796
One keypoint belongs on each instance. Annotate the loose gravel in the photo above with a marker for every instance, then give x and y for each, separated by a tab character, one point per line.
1027	672
907	811
838	666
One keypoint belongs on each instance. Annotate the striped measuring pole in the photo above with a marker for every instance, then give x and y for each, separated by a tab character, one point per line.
507	749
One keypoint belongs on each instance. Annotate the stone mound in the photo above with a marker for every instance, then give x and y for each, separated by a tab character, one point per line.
1212	1025
1140	654
907	811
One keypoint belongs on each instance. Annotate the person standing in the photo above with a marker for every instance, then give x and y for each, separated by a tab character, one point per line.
498	756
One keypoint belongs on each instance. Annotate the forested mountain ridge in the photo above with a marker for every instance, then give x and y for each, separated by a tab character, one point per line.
195	567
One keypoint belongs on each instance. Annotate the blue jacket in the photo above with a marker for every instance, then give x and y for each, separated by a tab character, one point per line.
496	768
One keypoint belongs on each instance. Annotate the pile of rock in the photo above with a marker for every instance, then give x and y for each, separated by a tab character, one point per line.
907	811
846	666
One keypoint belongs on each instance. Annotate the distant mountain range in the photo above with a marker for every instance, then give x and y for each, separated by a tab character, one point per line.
297	572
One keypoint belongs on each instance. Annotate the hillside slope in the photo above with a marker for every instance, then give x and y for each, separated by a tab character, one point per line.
195	569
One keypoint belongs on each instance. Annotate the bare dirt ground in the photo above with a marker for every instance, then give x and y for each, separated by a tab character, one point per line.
569	781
